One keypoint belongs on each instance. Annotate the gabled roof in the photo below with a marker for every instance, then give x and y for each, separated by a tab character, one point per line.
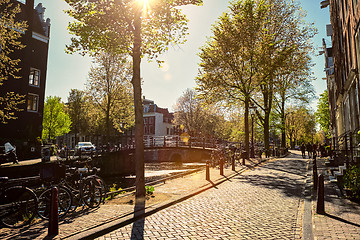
39	26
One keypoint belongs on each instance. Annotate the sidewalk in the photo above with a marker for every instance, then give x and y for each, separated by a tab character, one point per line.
342	217
116	213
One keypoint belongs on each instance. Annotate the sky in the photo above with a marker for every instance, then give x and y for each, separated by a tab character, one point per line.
167	84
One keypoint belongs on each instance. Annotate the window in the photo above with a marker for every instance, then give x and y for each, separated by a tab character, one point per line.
34	77
32	102
151	120
151	129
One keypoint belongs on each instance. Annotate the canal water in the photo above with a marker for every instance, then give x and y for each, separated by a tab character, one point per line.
154	172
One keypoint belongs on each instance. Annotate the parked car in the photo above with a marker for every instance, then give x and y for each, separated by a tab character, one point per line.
84	147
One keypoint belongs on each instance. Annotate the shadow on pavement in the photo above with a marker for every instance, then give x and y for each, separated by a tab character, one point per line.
212	183
137	231
341	220
284	175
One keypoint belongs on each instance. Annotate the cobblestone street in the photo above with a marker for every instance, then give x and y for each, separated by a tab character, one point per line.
262	203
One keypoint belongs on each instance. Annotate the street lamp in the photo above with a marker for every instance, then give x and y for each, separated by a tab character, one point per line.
252	110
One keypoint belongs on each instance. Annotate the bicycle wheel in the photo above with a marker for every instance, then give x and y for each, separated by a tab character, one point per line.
64	202
102	185
18	206
91	192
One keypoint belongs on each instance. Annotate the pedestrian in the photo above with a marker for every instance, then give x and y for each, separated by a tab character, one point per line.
309	149
303	148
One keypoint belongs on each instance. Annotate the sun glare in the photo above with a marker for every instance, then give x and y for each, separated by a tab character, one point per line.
145	4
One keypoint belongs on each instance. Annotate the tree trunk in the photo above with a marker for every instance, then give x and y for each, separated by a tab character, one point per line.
246	116
283	136
266	133
267	95
107	122
139	122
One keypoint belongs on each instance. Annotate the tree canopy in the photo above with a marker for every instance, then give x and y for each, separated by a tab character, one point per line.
110	25
10	34
322	113
56	121
109	92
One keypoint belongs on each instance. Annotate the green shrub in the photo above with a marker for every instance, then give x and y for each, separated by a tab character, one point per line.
114	189
149	190
352	181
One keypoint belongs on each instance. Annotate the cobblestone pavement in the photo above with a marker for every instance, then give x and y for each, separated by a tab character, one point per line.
263	203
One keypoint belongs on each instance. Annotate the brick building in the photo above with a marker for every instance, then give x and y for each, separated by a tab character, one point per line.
27	128
343	81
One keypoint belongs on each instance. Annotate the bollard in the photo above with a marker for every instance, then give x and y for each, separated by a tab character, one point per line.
315	176
53	229
233	162
221	167
207	171
320	206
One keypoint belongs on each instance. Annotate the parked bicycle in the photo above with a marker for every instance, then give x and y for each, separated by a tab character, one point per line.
51	175
76	187
84	186
18	204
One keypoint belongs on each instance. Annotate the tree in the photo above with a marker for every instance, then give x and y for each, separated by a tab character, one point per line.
55	122
293	84
77	111
285	36
197	119
300	125
10	32
137	28
228	68
322	113
189	113
110	91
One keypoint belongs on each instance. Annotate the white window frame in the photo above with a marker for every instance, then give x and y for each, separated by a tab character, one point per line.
30	108
32	77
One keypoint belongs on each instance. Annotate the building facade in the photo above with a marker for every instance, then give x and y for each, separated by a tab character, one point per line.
342	69
25	131
157	121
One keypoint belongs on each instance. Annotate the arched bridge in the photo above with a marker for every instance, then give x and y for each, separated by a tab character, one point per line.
159	149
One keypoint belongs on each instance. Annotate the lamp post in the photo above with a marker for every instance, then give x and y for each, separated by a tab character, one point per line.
252	110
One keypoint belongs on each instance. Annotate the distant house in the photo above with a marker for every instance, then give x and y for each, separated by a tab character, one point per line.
157	121
25	131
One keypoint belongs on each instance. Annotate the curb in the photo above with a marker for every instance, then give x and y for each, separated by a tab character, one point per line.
307	221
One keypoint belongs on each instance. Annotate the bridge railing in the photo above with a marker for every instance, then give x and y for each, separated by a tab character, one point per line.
178	141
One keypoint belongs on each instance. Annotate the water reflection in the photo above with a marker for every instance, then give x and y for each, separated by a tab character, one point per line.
153	172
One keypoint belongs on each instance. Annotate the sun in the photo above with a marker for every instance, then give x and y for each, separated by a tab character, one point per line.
145	4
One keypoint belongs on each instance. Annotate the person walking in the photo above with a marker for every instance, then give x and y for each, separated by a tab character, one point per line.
309	148
303	148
